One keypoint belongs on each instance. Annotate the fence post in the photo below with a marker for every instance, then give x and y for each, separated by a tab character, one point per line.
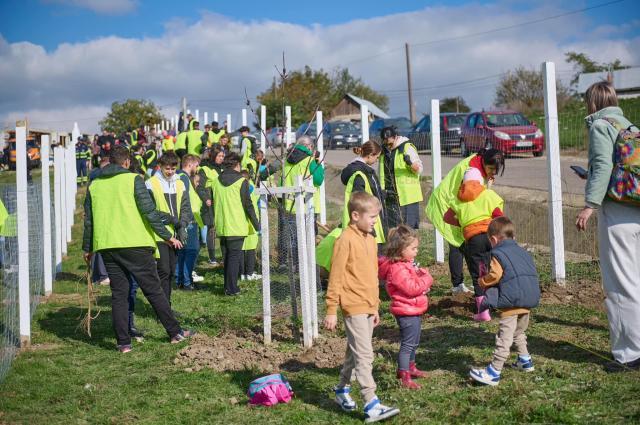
266	271
436	163
364	122
206	119
46	213
320	147
198	115
263	128
215	116
303	263
556	226
57	204
62	165
22	212
244	117
229	129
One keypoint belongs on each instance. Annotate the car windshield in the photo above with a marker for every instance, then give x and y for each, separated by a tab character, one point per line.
399	123
455	120
344	127
506	120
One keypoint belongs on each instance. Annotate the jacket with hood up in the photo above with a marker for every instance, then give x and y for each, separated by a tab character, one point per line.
407	286
299	153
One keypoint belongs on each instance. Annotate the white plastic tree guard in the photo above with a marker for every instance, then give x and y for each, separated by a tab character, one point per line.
436	163
46	214
22	212
320	148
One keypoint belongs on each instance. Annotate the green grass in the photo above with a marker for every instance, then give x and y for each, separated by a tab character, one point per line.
68	377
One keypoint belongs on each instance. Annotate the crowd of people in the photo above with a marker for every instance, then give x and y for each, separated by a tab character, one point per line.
153	202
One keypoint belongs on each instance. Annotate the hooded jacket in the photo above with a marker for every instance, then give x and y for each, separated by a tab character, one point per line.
358	184
407	286
229	177
468	192
170	195
297	154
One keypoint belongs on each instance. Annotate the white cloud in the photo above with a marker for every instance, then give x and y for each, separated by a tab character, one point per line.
210	62
107	7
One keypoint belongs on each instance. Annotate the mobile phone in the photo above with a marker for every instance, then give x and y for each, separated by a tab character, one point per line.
581	172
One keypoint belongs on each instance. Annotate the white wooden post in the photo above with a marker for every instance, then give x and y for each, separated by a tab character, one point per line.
64	198
436	163
320	147
46	214
70	181
215	116
312	289
552	137
206	119
198	115
244	117
22	212
57	203
266	271
303	266
364	122
263	128
287	112
229	128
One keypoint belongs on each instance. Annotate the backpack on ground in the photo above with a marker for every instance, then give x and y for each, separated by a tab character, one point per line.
624	185
270	390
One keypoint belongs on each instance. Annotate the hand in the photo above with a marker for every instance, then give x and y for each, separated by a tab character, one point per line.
176	244
376	319
208	202
330	322
415	167
87	257
583	218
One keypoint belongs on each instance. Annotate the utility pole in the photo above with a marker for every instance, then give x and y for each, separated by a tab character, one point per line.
412	108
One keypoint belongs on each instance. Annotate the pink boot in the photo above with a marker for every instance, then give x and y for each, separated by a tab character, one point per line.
481	316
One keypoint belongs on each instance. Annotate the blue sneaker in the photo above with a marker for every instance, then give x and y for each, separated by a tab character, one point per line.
524	364
376	411
343	398
488	376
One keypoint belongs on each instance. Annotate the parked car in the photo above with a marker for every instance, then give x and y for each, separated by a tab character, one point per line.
403	126
508	131
274	136
450	127
341	134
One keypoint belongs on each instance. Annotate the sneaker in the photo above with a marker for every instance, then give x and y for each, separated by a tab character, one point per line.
124	348
135	333
196	277
188	288
343	398
524	364
183	335
254	276
243	277
105	282
488	376
460	289
214	263
376	411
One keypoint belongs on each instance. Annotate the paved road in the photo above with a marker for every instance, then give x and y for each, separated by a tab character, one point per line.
520	171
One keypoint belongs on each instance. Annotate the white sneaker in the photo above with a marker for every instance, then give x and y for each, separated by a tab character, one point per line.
105	282
195	277
243	277
488	376
343	398
376	411
254	276
460	289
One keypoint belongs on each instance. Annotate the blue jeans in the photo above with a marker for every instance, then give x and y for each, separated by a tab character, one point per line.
133	286
187	256
410	329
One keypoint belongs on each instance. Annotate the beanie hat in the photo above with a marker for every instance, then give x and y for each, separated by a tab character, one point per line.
472	174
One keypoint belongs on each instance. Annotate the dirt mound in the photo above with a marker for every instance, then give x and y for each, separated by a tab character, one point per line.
586	293
456	305
232	352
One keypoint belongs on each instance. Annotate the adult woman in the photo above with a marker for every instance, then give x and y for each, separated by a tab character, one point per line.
360	176
618	226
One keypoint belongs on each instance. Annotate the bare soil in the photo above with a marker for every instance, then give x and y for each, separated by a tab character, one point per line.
585	293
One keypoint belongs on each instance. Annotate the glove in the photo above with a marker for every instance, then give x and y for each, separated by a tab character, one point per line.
407	159
181	233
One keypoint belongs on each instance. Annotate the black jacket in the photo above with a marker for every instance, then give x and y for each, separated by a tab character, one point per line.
144	202
229	177
358	183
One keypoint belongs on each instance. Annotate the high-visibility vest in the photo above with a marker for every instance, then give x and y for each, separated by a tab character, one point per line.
181	141
407	183
168	144
161	201
248	161
477	210
292	171
347	196
211	175
134	137
151	158
117	223
248	147
251	241
196	204
194	142
8	222
441	199
230	217
140	160
324	250
215	137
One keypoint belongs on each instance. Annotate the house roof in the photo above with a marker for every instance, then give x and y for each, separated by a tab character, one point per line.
373	109
623	79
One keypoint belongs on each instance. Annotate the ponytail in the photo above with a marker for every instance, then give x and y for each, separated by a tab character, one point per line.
368	148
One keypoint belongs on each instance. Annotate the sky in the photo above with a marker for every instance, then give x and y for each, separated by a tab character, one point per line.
67	60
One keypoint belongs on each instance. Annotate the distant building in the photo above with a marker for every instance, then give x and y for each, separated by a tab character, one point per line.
349	109
625	81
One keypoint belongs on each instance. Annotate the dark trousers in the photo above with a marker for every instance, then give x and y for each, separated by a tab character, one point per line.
392	212
139	263
410	329
82	171
232	257
211	243
248	262
133	291
411	215
166	267
477	252
456	263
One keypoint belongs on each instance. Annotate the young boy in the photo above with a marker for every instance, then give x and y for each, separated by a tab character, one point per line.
248	263
353	285
512	287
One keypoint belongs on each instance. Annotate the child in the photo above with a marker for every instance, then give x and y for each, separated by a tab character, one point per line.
512	287
473	210
353	285
248	268
407	286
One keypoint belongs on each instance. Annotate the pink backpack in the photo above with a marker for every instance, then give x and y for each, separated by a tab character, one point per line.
270	390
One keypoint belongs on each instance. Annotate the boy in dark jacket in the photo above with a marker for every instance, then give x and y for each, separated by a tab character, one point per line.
511	286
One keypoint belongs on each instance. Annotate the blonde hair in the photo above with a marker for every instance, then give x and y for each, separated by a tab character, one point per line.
190	159
600	95
502	228
362	202
399	238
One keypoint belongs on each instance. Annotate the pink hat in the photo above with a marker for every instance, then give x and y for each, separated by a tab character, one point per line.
472	174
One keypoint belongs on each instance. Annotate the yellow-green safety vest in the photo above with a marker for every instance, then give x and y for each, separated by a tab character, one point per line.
477	210
215	138
347	196
196	204
134	137
127	228
229	216
251	241
211	175
406	181
8	222
324	250
140	160
161	201
181	141
195	142
292	171
168	145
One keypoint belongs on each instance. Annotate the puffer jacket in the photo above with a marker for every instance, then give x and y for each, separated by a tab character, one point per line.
407	286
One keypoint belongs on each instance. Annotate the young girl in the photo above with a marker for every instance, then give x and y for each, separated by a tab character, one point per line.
407	285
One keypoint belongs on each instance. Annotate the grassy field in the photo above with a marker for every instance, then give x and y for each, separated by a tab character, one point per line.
67	377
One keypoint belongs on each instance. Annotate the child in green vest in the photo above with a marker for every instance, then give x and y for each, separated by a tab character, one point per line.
248	268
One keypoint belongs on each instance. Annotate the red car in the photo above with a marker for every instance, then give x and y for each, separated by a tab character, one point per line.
508	131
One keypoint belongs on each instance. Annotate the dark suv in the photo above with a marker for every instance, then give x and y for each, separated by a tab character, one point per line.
450	127
508	131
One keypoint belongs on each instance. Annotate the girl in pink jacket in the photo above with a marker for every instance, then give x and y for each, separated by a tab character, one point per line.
407	285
